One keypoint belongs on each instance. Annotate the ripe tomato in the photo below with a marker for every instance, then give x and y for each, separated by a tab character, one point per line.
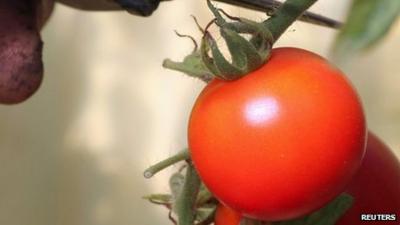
226	216
376	186
281	141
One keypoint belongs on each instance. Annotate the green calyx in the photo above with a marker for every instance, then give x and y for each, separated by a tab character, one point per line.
246	54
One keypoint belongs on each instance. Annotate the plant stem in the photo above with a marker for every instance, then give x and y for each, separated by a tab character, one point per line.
269	6
285	15
185	204
152	170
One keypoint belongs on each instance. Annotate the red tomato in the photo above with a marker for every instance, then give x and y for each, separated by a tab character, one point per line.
280	142
376	186
226	216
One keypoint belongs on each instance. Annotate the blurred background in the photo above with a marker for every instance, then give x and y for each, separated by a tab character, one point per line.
74	153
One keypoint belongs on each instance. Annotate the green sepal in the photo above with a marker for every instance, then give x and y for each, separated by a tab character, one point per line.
246	55
164	199
219	19
261	39
206	59
241	25
223	67
191	65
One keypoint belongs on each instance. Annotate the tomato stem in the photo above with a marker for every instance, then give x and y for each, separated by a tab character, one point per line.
285	15
270	6
152	170
185	204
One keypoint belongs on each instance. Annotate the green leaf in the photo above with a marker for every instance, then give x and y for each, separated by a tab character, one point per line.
327	215
367	23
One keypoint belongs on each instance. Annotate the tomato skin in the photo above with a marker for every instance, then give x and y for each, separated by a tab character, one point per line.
226	216
281	141
376	186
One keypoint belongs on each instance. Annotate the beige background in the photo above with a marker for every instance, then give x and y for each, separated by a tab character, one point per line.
75	152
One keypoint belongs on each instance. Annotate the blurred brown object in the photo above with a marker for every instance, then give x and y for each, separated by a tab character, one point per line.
21	67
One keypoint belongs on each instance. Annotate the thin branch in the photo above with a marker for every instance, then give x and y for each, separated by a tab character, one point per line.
269	6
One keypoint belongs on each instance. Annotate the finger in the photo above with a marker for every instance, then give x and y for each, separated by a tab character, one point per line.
21	67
